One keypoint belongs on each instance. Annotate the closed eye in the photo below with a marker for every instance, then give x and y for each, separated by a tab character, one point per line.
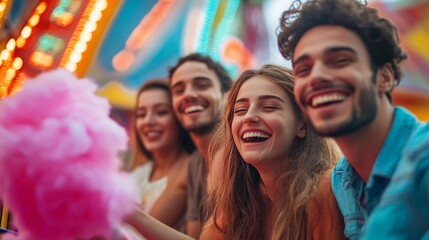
177	91
202	83
301	70
340	61
141	114
202	86
270	108
162	112
240	110
340	57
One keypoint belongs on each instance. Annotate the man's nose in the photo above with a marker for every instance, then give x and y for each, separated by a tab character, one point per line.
319	73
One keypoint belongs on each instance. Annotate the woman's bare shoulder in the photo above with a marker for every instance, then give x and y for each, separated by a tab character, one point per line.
179	172
323	213
210	231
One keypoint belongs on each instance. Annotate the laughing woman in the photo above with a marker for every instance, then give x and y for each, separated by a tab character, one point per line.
275	179
162	179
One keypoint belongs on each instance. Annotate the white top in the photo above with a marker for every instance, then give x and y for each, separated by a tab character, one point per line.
149	192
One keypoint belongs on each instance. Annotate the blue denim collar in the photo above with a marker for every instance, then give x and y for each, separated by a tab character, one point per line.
385	165
348	186
403	125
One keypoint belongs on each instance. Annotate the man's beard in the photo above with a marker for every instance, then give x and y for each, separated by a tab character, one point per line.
362	114
202	129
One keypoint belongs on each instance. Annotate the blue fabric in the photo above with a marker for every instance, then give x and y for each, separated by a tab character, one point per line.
403	212
348	186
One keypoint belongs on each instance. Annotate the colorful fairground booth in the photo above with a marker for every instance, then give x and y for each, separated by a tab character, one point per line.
41	35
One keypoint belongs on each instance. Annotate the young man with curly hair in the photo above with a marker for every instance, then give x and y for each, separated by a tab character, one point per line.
346	60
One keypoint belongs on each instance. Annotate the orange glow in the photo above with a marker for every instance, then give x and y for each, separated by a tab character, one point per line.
34	20
5	55
15	86
42	60
11	45
81	47
76	57
17	63
122	61
100	6
65	19
71	66
26	32
41	8
2	6
90	26
83	34
86	36
95	16
20	42
10	74
148	25
141	34
10	64
235	51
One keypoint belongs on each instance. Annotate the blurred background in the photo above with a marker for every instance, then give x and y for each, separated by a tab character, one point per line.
123	43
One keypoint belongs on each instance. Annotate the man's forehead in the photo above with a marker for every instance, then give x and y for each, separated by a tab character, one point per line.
321	38
192	66
192	70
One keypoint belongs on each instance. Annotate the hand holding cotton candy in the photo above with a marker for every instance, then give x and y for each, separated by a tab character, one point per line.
59	170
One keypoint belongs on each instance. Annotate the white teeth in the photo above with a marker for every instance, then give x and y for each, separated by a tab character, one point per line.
153	134
322	99
195	108
255	134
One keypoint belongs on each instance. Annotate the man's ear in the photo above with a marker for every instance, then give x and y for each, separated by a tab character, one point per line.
301	131
387	78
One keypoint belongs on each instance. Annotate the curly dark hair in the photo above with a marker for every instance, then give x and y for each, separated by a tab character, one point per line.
221	73
379	35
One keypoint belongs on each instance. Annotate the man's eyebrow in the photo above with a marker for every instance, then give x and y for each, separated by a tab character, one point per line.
197	78
176	84
340	49
201	78
300	59
327	51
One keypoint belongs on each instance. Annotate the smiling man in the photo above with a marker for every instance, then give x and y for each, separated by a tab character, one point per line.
198	86
346	63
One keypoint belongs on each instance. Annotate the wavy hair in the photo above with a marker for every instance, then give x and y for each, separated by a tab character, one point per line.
378	34
241	209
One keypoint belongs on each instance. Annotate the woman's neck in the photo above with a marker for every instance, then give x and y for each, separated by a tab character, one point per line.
164	160
269	183
269	174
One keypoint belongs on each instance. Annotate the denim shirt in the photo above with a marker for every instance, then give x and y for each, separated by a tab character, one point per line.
403	212
348	186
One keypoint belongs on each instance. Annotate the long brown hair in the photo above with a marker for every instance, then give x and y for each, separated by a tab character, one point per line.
241	209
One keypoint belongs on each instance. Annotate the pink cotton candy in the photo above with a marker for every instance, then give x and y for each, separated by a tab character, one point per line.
59	166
